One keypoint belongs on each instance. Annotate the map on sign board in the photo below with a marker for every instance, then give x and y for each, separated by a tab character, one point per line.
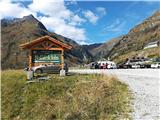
46	56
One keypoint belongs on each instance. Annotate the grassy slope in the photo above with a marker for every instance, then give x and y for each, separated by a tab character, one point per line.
76	97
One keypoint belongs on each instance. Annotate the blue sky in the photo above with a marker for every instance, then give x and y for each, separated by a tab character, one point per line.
119	19
83	21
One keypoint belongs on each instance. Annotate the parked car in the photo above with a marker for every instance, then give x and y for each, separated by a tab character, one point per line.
136	62
124	66
155	65
146	65
136	66
94	65
49	69
107	64
112	65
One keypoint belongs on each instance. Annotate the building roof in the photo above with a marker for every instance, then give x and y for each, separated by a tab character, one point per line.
44	38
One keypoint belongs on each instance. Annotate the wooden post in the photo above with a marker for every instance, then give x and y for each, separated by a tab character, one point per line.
62	71
30	59
62	58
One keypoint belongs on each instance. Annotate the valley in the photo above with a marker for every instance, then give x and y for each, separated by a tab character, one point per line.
22	30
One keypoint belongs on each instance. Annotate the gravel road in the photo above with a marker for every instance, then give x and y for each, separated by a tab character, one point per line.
145	85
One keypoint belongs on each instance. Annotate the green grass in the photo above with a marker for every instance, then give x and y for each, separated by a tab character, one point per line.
75	97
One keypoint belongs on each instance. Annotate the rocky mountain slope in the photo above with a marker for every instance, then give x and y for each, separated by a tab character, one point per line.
142	34
104	49
22	30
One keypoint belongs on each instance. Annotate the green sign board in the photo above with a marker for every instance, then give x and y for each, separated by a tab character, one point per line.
46	56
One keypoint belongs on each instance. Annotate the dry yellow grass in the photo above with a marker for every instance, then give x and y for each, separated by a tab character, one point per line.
75	97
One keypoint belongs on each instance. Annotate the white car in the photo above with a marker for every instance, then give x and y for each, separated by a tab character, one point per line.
155	65
112	65
136	66
108	64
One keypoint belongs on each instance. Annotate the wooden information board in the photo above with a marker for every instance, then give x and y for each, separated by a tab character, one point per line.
45	56
46	50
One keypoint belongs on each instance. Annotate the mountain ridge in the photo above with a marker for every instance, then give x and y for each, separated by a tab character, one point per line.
21	30
28	28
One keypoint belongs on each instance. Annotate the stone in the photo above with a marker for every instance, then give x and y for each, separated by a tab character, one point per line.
62	72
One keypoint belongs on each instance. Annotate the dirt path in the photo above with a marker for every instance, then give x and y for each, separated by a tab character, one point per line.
145	85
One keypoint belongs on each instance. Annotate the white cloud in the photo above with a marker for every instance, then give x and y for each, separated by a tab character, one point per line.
71	2
9	9
60	19
76	20
52	8
57	17
60	27
117	26
101	11
91	16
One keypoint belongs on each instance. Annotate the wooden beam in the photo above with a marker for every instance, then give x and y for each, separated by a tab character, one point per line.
30	59
52	44
62	58
47	49
43	44
45	38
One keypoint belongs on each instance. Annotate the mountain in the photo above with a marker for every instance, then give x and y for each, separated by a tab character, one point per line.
89	48
21	30
92	46
132	44
104	49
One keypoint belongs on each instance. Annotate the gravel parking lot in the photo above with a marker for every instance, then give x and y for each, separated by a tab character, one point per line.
145	85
